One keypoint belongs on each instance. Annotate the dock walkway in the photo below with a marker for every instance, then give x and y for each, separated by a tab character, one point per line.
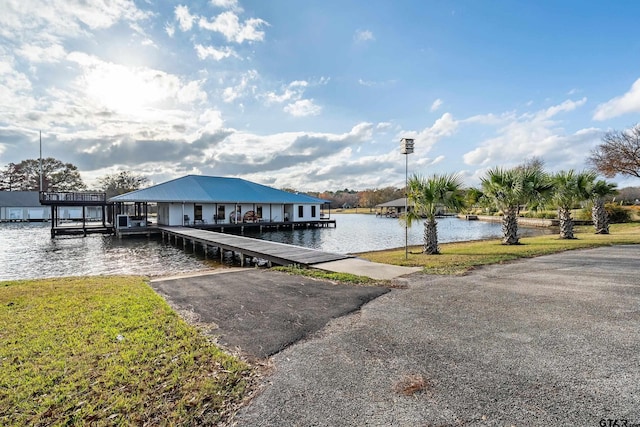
273	252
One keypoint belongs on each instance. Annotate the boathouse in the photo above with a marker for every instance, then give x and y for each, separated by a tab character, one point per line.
22	206
202	201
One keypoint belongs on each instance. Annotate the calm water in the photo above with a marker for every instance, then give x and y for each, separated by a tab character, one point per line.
362	233
27	250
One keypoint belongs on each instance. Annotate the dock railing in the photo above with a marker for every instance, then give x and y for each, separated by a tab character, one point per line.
66	198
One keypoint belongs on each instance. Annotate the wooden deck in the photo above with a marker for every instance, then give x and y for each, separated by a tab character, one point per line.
273	252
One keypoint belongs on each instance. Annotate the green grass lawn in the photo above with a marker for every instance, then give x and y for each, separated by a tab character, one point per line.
458	258
108	351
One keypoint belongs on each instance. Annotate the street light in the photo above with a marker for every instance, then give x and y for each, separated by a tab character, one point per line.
406	148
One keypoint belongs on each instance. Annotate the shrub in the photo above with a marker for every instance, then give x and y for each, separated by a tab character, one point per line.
617	214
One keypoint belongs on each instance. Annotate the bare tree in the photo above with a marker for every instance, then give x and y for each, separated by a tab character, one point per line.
122	182
619	153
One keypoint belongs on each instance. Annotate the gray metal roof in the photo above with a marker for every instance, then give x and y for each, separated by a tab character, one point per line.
214	189
19	199
397	203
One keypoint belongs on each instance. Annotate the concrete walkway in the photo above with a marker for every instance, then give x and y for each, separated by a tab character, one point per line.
362	267
553	340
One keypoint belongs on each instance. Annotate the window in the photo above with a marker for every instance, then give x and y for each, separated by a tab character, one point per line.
259	211
220	212
300	211
313	211
197	212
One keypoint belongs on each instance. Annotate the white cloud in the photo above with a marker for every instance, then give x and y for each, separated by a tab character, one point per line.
370	83
531	135
445	126
627	103
567	105
293	91
436	105
42	53
132	89
232	93
226	4
69	19
228	24
205	52
303	108
184	17
363	36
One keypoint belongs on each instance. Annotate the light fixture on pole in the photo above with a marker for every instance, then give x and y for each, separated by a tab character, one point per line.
406	148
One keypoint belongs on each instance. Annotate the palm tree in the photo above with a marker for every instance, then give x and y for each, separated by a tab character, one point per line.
569	189
598	191
508	189
427	195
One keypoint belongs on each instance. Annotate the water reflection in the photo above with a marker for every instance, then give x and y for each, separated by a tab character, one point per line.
360	233
27	251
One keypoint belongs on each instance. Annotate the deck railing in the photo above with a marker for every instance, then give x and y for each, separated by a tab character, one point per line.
53	197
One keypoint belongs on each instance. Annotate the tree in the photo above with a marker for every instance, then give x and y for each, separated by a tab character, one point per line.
56	176
598	190
10	178
427	195
569	189
619	153
508	189
120	183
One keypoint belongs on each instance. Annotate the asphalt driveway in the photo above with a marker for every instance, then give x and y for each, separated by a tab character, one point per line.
553	340
260	312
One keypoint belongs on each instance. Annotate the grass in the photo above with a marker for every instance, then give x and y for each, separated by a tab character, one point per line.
458	258
107	351
345	278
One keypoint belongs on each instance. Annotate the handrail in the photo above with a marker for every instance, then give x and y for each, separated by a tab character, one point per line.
64	196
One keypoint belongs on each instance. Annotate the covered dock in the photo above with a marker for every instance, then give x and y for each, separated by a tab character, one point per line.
92	213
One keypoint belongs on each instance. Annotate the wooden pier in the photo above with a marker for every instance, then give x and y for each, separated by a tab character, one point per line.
272	252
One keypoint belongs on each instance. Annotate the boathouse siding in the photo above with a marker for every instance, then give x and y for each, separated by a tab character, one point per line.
22	206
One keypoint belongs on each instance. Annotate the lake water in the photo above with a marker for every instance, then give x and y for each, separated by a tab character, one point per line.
27	250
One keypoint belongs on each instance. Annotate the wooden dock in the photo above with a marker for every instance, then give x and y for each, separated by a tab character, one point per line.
272	252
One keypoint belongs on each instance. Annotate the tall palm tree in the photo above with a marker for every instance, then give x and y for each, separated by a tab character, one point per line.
508	189
429	194
569	189
598	191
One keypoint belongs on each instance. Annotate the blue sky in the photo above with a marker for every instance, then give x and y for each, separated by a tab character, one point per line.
315	95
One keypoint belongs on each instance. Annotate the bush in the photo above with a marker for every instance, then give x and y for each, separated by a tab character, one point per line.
617	214
541	214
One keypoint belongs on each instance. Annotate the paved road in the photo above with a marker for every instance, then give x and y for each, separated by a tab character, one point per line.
553	340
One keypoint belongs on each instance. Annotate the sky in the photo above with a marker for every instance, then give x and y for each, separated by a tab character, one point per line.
315	95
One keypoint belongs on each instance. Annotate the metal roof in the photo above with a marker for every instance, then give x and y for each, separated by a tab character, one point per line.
213	189
397	203
19	199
